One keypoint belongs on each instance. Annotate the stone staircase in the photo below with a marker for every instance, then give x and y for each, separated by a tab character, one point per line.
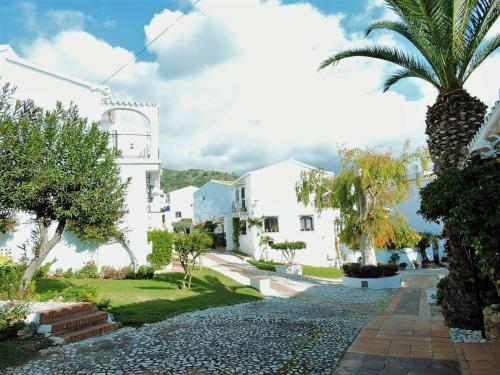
76	322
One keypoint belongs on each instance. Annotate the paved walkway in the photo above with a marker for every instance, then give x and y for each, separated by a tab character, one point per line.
408	339
326	291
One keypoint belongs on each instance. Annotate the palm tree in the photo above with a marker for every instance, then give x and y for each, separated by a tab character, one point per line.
448	39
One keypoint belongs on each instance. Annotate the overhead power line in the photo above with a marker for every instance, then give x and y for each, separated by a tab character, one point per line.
152	41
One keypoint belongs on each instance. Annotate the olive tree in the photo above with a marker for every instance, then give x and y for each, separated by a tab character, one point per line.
57	167
366	191
189	248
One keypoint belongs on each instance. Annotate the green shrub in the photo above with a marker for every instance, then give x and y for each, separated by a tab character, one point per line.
43	270
442	288
161	254
59	272
403	265
395	257
416	264
145	272
12	317
288	249
130	275
69	274
88	271
369	272
10	277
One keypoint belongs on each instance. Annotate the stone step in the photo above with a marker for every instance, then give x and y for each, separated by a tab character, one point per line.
50	315
88	332
77	321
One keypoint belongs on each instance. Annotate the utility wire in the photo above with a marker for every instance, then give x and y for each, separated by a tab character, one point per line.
152	41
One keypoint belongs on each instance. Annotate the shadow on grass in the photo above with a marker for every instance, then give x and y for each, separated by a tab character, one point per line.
166	297
206	292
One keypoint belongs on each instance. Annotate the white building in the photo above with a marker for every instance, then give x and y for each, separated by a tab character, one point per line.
213	202
269	193
178	206
133	128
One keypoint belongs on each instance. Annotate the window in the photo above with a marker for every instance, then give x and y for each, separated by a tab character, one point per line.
178	214
243	205
306	223
271	224
243	227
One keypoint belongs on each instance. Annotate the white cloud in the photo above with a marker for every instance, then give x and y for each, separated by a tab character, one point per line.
238	85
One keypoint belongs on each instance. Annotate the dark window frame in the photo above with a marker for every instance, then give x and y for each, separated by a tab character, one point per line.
303	223
268	224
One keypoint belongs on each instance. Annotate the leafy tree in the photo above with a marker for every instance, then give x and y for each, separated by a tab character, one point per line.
57	167
366	191
289	249
162	243
469	200
183	226
448	43
190	247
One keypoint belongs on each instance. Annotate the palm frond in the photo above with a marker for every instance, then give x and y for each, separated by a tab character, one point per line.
479	21
485	49
405	73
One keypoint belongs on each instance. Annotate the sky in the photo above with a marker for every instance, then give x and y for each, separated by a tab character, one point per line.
237	81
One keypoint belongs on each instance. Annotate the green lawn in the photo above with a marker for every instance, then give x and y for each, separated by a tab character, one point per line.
325	272
134	302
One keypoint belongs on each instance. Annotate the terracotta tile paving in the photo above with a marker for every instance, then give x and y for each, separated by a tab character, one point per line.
407	339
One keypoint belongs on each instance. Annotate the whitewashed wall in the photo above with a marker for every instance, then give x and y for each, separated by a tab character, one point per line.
271	192
94	101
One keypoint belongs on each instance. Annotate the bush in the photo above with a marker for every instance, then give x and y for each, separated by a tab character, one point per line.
288	249
59	272
395	257
130	275
88	271
43	271
12	317
369	272
10	277
403	265
416	264
442	287
145	272
69	274
161	254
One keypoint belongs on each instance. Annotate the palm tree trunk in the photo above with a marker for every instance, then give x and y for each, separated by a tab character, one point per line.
451	124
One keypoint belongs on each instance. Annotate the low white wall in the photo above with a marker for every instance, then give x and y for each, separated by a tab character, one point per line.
392	282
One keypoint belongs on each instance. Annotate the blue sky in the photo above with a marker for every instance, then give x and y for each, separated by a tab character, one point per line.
236	80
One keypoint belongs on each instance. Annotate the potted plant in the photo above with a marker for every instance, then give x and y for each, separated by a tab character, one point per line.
416	264
403	265
288	249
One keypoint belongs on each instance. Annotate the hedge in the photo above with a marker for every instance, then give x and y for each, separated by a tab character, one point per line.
161	254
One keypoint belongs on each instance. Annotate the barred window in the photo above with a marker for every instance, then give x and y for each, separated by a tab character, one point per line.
306	223
271	224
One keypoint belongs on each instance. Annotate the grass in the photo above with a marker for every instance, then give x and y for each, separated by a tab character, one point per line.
324	272
17	351
135	302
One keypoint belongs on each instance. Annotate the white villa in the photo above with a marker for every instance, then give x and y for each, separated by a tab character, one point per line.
178	206
269	193
133	128
212	202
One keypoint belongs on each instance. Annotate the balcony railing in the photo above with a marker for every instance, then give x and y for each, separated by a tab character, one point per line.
239	206
131	145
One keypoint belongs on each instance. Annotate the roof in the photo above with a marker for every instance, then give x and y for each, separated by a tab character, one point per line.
12	57
191	187
292	161
221	182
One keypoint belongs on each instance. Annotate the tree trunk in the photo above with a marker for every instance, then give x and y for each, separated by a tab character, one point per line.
435	250
42	249
368	257
451	124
